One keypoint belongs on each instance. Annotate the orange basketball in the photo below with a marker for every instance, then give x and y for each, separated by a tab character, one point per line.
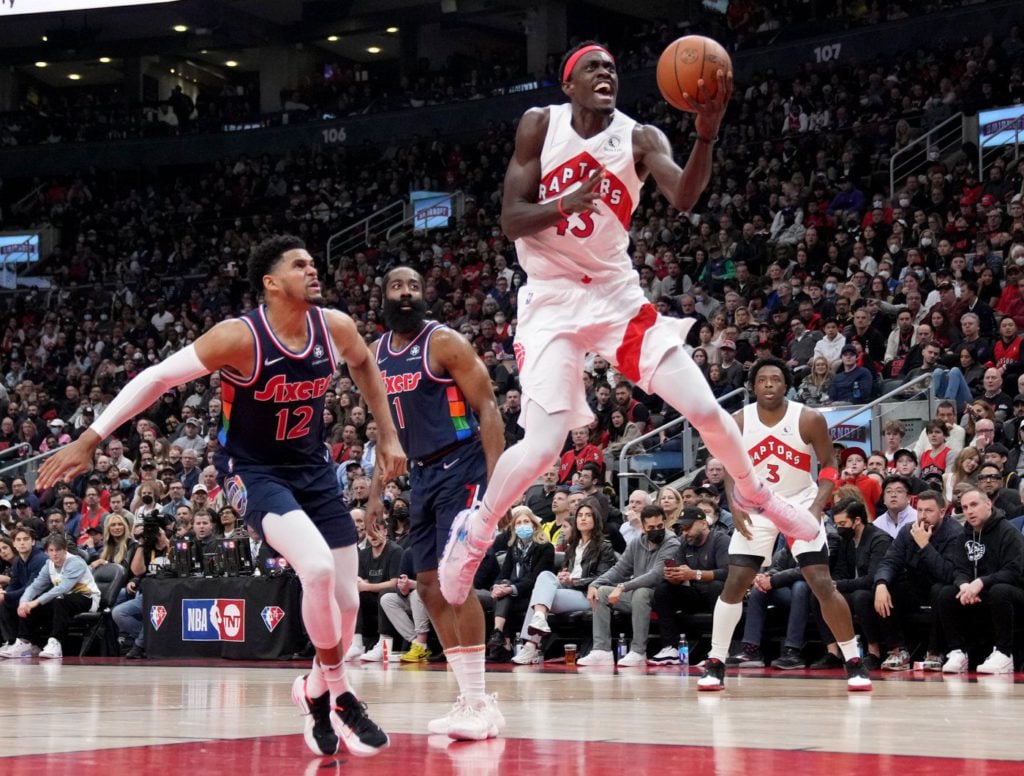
685	62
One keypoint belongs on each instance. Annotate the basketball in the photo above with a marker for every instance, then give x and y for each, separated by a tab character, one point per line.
684	62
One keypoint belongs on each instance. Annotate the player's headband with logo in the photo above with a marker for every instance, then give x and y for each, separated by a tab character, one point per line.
571	63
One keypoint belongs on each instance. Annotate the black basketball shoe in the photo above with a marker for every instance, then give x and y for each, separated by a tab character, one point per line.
319	733
357	731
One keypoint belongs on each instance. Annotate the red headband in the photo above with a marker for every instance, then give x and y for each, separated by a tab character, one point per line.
571	63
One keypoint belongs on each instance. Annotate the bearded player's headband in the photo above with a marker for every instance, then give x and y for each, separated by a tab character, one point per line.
571	63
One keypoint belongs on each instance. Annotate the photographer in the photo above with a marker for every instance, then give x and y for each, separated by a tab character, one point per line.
151	553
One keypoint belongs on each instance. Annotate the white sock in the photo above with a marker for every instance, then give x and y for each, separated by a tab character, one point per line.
323	678
849	649
726	618
454	657
472	680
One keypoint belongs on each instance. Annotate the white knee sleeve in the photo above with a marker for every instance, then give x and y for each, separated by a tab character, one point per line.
298	540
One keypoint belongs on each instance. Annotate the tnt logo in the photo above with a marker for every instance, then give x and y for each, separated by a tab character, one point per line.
272	616
213	619
157	615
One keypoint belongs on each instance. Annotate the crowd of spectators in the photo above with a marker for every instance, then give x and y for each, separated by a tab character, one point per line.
345	88
799	249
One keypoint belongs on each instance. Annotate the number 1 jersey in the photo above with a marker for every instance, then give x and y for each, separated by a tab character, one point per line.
275	417
430	411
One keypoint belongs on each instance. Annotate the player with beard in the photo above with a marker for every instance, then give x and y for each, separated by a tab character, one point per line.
571	187
444	409
277	363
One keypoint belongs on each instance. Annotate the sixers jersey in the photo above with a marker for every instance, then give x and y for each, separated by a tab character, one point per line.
781	458
589	246
275	417
430	411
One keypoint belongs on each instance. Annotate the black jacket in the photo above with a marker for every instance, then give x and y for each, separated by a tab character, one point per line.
854	565
934	562
784	571
523	575
995	554
23	573
593	566
711	556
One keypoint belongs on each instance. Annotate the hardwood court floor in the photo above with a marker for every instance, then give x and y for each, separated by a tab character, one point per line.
118	717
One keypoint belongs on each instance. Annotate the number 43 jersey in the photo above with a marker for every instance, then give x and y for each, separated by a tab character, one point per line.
275	416
586	244
781	458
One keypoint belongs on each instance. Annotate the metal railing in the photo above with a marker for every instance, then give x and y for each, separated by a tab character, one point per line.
944	138
688	445
691	449
27	467
900	392
21	205
365	232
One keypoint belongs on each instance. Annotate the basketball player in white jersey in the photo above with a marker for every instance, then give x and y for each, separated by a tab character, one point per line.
780	436
570	190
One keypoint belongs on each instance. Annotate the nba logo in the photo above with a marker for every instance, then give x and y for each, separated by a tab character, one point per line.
318	351
157	615
272	616
213	619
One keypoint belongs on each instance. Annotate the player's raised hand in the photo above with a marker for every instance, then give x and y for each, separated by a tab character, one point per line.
70	461
710	108
585	196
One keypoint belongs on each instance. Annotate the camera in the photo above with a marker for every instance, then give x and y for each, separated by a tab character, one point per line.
152	526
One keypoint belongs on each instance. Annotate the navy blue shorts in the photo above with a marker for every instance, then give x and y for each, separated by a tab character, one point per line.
258	490
440	490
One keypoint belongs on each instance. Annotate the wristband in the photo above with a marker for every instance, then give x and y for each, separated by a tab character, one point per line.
707	141
562	213
829	473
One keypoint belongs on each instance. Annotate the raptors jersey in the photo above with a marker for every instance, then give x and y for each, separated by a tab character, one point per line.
430	411
588	246
781	458
275	416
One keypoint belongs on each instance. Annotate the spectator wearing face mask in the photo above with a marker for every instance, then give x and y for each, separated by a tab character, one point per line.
629	587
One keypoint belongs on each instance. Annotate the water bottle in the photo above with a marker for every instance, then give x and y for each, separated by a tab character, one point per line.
684	652
622	647
856	390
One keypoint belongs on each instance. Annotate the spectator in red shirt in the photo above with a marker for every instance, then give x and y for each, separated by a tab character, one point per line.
581	452
853	462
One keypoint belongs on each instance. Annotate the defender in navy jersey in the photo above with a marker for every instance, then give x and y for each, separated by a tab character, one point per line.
276	364
437	390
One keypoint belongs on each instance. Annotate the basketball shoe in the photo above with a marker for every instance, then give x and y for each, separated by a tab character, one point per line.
355	729
319	733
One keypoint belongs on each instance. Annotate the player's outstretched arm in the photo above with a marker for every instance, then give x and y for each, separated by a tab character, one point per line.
219	347
450	351
683	186
521	214
363	369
